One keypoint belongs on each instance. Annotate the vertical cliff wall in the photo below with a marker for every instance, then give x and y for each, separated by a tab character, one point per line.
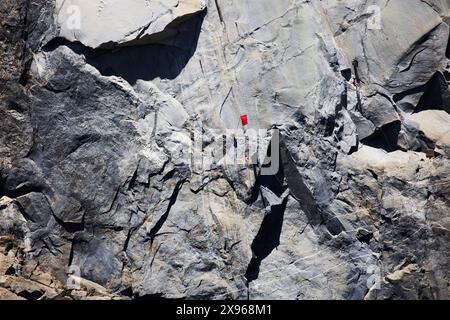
104	194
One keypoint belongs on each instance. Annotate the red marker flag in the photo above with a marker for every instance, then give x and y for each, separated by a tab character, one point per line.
244	120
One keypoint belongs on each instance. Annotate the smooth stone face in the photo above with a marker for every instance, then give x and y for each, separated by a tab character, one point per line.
434	124
397	49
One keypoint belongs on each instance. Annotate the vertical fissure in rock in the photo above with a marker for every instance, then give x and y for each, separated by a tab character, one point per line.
163	218
447	51
219	11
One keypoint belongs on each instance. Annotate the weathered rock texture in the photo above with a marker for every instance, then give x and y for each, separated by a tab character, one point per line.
98	103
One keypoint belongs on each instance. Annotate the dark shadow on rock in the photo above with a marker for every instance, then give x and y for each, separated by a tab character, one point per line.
164	217
267	239
298	188
408	106
316	209
436	95
274	183
163	55
151	61
385	138
447	52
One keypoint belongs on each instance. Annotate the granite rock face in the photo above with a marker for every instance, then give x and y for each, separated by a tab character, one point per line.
110	23
105	192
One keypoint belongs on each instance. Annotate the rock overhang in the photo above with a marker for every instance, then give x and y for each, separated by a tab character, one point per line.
102	23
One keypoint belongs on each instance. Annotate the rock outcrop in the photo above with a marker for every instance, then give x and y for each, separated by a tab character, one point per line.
106	194
102	23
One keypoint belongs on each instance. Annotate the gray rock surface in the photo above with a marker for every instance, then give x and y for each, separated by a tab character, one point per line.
100	197
98	23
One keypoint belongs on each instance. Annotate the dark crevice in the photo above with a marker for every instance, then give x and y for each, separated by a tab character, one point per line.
385	218
45	245
34	144
399	96
446	74
347	74
127	292
133	179
9	247
357	83
327	125
219	11
385	138
411	62
374	175
355	64
30	295
114	200
78	142
127	240
72	252
24	213
71	227
56	42
436	95
354	149
24	190
10	271
447	52
364	236
162	220
169	175
330	221
56	91
25	76
25	34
